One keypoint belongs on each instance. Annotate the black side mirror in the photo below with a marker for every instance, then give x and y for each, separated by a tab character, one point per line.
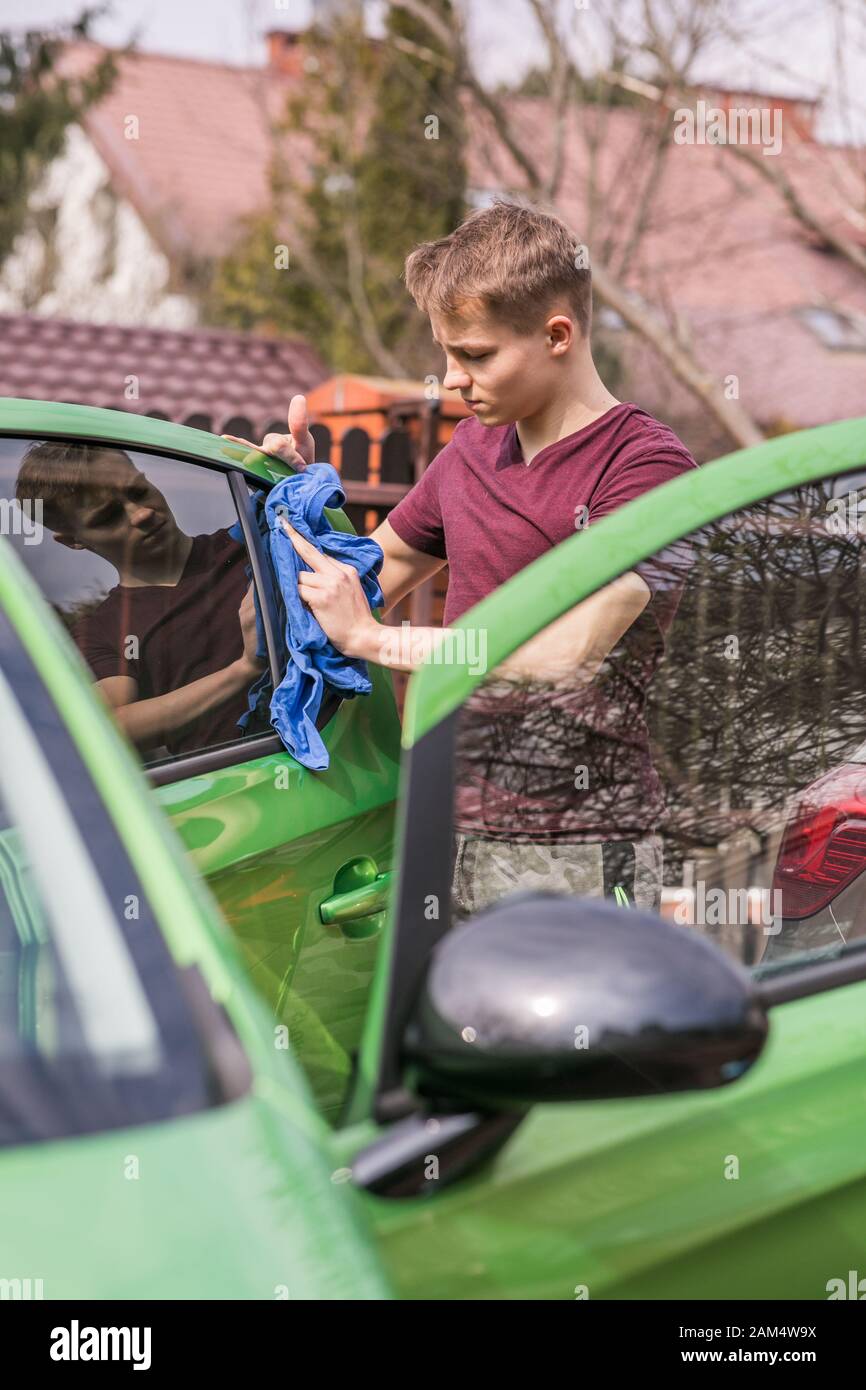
545	998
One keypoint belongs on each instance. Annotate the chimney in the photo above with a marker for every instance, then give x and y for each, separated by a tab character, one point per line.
799	114
285	52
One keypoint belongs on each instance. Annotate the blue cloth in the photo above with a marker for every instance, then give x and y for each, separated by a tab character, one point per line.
314	662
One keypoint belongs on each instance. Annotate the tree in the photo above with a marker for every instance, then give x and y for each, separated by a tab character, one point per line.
37	104
383	126
533	147
411	177
556	139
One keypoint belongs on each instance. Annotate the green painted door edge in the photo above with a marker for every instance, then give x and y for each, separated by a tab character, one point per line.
115	427
44	418
571	571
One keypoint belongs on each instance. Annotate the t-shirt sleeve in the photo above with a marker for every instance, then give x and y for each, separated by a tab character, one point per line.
417	518
631	480
635	477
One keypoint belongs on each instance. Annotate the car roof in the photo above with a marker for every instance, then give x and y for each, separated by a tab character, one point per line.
59	420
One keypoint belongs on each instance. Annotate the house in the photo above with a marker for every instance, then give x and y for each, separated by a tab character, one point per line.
153	180
706	236
157	178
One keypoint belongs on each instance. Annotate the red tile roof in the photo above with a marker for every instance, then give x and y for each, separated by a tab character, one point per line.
200	160
201	372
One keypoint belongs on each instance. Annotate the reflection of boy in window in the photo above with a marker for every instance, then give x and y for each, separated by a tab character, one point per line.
167	651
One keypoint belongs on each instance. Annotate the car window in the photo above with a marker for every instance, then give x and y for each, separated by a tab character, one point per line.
94	1029
142	558
708	764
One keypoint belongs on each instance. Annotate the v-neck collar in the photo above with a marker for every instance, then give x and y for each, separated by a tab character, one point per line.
514	453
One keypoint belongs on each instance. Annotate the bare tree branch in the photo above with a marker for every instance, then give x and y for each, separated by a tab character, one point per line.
768	170
807	217
679	356
386	360
562	76
634	310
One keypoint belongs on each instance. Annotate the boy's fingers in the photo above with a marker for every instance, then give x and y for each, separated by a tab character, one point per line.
281	446
299	429
298	415
314	558
277	446
236	439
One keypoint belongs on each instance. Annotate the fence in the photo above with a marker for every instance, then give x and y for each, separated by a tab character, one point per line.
377	470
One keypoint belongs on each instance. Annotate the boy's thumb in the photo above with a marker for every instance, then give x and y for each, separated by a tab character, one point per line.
299	427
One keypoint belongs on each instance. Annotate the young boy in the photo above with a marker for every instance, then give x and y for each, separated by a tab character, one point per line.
548	449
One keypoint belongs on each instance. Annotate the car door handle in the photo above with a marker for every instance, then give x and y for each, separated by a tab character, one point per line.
358	902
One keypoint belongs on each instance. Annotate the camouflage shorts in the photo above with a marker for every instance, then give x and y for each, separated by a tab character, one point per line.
487	870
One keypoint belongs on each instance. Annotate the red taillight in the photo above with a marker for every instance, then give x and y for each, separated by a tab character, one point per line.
824	845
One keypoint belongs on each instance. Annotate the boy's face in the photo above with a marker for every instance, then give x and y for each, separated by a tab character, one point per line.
121	516
502	376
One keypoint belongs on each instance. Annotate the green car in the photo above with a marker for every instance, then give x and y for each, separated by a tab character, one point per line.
274	841
451	1083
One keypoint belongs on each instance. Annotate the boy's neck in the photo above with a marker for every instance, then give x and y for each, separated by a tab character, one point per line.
582	399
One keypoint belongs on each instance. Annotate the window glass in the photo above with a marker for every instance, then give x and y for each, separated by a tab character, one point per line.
142	558
94	1032
690	739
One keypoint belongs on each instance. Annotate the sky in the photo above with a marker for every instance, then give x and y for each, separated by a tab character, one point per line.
790	44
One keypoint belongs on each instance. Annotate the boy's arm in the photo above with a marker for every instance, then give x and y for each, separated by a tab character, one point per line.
146	722
403	567
571	649
332	591
575	645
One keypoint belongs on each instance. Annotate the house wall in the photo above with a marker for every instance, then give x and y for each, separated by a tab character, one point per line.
88	255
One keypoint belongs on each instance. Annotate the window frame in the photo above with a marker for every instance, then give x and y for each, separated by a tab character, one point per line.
243	750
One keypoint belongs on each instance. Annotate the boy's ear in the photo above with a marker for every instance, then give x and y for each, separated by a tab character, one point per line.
65	538
560	333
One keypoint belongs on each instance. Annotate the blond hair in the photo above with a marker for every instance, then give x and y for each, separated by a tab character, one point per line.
515	260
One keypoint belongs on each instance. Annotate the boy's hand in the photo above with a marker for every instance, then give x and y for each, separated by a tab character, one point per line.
332	592
297	448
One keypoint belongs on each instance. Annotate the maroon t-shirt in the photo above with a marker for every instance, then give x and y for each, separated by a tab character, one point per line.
522	745
185	630
481	506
